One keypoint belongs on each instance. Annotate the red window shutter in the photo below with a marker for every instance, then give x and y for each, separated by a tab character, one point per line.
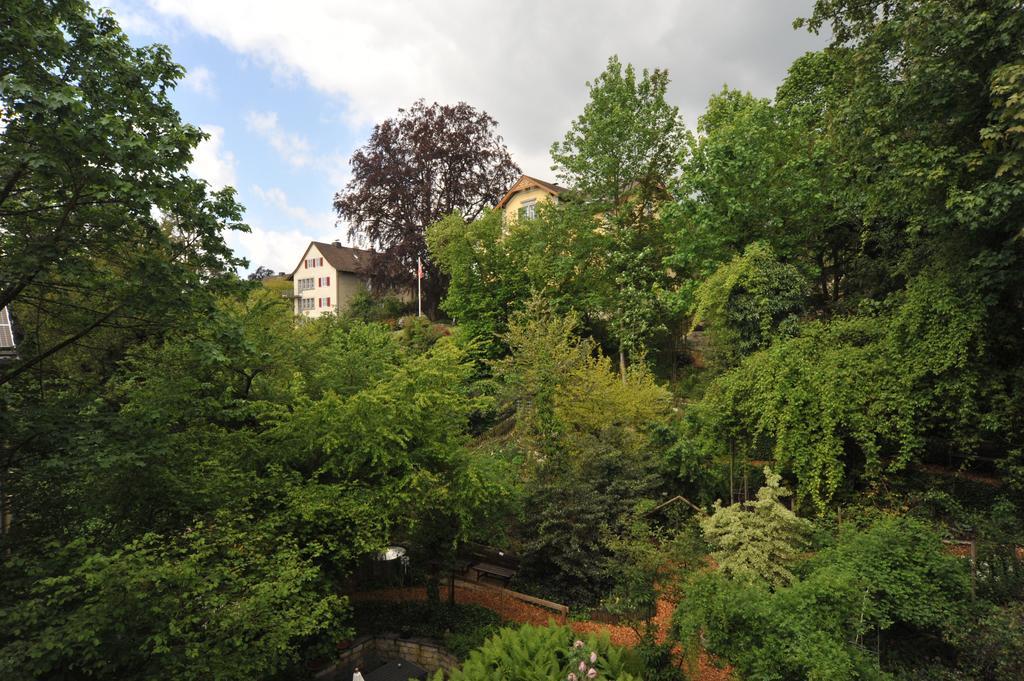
328	282
328	302
321	262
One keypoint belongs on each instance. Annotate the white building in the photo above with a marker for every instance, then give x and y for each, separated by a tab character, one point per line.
327	277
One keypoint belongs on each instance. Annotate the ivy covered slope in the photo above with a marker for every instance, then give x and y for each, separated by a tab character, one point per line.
888	173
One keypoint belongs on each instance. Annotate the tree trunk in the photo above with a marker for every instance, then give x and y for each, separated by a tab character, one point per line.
732	476
622	364
433	586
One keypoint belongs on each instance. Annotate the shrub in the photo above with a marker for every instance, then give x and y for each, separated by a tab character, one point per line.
376	308
757	539
993	646
419	333
893	577
530	653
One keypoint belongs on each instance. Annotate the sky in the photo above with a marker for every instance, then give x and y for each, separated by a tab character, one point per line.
288	90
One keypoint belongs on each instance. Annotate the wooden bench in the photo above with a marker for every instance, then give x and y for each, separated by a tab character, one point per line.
492	570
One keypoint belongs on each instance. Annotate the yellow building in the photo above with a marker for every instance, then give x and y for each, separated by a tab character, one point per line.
327	277
522	199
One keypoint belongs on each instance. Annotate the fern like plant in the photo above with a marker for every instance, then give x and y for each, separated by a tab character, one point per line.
530	653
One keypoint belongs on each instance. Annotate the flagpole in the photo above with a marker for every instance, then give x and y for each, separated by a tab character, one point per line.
419	286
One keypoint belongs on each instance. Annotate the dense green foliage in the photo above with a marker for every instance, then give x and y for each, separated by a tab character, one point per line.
232	456
749	302
624	144
893	574
921	303
829	281
92	150
542	653
583	434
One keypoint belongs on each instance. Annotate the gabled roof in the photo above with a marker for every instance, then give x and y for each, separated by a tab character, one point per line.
341	258
526	182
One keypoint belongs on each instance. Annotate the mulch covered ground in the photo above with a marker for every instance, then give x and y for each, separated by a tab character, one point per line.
515	610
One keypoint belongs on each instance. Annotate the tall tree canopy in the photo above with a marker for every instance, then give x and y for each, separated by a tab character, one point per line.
91	151
187	477
425	163
620	155
886	172
627	140
600	251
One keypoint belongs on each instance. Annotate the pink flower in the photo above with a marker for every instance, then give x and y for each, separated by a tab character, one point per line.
592	674
593	657
583	666
578	644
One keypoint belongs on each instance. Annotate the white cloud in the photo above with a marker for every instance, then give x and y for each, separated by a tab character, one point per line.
321	223
211	161
279	250
295	149
132	21
525	63
200	80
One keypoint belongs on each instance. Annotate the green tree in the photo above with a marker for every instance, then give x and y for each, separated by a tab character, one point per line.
308	445
762	170
620	155
651	562
856	398
563	394
584	436
747	302
625	144
106	241
757	540
494	271
91	145
904	150
224	600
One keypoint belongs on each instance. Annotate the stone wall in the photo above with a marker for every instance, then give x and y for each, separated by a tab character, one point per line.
368	652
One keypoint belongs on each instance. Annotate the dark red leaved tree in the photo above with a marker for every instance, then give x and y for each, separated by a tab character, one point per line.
421	165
